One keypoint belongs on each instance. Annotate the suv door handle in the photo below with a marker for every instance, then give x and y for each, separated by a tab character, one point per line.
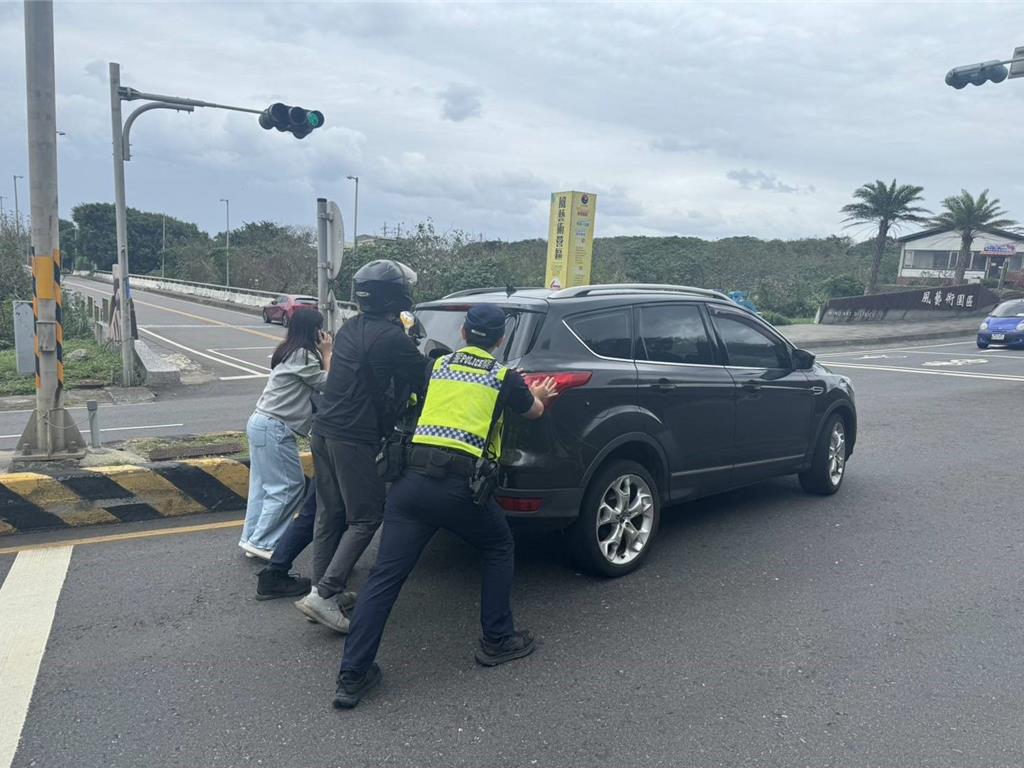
752	386
663	385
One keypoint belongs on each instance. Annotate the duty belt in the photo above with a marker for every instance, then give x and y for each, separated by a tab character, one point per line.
440	462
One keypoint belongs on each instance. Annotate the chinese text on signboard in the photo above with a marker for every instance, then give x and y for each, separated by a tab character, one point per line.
570	239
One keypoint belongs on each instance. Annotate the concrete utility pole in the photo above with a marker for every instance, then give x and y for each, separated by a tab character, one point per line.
227	241
50	433
163	244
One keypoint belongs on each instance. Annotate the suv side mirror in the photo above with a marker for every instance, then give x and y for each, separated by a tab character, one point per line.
802	360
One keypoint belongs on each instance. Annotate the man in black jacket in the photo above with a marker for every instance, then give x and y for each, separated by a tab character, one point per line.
373	363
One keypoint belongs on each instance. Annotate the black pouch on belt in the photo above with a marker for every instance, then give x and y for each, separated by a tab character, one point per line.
391	460
484	481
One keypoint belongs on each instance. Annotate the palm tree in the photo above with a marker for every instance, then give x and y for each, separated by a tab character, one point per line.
890	206
967	215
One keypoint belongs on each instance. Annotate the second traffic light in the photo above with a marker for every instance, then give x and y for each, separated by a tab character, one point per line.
295	120
976	74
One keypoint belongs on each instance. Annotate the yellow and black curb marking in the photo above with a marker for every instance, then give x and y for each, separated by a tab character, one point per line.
30	501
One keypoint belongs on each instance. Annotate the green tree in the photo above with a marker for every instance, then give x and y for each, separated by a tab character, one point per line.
271	257
967	214
888	206
15	282
97	236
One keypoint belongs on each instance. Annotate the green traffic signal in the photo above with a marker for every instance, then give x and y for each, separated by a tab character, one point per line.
297	121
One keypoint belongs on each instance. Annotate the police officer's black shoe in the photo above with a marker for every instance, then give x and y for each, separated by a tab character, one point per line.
515	646
352	687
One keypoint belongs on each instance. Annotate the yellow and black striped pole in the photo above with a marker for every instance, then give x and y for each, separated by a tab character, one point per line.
50	434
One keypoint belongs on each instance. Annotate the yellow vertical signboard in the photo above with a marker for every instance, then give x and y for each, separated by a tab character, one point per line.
570	239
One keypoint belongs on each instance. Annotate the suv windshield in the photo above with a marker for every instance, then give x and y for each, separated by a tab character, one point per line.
444	325
1009	309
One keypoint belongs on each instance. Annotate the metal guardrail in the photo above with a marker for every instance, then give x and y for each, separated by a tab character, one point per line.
209	289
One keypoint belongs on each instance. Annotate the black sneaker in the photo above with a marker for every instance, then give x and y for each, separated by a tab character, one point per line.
352	687
273	582
515	646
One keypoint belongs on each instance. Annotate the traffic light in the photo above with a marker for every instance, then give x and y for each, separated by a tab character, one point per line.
976	74
297	121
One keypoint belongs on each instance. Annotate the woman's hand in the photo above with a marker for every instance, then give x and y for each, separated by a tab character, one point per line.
325	344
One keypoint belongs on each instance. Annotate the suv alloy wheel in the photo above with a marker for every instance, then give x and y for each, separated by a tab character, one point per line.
828	467
618	520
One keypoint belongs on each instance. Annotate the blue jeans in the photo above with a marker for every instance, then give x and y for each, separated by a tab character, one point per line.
276	480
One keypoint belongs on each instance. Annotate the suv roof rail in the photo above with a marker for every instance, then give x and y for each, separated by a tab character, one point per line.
475	291
586	290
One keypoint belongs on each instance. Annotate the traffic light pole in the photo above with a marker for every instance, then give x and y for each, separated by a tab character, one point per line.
50	433
121	136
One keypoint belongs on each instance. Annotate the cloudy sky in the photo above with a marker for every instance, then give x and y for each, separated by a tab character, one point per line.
704	119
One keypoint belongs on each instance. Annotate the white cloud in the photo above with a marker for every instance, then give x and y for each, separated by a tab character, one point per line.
689	119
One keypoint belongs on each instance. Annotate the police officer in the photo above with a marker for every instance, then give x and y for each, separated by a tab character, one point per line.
458	431
374	360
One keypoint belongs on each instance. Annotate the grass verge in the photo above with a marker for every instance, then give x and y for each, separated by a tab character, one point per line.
101	365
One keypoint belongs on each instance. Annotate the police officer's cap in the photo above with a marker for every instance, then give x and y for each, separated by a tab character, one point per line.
485	323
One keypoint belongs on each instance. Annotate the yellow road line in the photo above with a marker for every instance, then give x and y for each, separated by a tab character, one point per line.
125	536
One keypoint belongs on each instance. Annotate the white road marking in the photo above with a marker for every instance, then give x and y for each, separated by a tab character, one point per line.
28	602
240	360
956	361
238	349
205	327
115	429
250	376
164	339
869	351
182	299
894	369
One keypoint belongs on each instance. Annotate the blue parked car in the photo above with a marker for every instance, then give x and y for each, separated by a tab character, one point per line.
1005	325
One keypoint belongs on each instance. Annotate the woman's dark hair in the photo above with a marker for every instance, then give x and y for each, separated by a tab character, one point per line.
303	333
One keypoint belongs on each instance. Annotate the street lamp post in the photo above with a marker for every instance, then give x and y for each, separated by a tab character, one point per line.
227	241
17	212
355	218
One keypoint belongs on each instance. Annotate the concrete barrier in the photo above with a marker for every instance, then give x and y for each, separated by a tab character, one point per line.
157	372
31	501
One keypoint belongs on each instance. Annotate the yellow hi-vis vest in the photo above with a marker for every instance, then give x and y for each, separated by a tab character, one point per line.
461	400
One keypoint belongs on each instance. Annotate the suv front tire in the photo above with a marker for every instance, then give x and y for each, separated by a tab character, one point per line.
828	467
618	520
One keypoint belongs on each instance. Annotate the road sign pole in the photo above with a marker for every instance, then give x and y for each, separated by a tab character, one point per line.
50	434
121	222
322	262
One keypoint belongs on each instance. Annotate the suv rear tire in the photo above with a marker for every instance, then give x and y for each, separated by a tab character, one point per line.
828	467
618	520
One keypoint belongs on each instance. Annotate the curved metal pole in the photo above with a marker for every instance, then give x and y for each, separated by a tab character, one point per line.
126	151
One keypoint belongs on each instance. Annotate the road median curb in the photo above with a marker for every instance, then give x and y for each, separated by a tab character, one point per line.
33	501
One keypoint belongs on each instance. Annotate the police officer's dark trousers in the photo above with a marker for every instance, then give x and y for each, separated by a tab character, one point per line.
416	507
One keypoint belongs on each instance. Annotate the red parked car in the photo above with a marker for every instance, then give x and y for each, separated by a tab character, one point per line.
284	306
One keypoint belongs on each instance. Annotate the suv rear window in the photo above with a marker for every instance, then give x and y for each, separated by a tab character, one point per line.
606	334
444	325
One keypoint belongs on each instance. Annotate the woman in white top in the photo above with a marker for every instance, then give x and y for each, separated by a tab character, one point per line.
299	368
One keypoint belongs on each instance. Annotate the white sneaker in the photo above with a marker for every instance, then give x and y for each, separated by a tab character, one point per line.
323	611
254	551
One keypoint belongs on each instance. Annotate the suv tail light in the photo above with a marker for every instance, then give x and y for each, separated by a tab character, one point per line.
518	504
563	381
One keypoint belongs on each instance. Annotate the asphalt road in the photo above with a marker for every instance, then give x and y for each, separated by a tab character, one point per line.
229	352
878	627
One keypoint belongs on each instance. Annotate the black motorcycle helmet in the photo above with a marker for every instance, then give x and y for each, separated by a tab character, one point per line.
384	286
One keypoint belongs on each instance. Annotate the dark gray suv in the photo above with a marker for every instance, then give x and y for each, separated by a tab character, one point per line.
668	393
